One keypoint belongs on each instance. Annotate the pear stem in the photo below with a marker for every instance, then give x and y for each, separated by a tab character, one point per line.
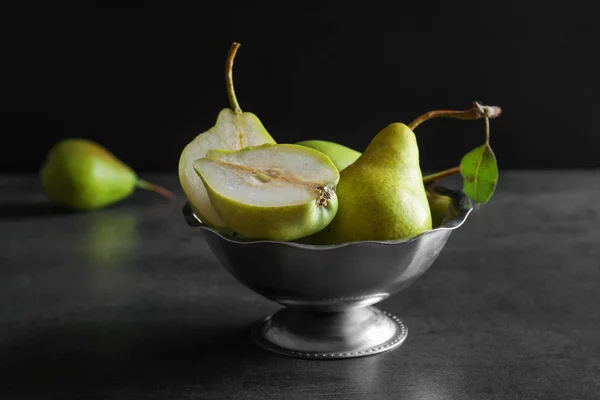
442	174
478	111
229	78
142	184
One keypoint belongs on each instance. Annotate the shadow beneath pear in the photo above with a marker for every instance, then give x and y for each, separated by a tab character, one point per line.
28	210
68	361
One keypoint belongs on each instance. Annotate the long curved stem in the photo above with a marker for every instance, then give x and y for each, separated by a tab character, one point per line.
229	78
442	174
478	111
142	184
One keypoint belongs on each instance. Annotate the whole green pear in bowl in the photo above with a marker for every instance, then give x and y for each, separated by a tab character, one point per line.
340	155
273	191
441	208
81	174
233	130
381	195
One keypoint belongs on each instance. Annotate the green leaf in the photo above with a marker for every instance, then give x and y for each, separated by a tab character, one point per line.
480	173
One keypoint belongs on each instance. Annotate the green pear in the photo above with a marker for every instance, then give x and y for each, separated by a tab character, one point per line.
441	207
83	175
233	130
341	155
273	191
381	195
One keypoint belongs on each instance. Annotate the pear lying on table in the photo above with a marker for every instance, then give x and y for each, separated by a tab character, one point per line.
81	174
233	130
381	195
274	191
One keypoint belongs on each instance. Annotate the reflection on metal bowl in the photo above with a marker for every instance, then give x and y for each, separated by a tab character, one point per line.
328	290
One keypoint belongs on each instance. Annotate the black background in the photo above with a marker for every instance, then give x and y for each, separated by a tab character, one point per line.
143	79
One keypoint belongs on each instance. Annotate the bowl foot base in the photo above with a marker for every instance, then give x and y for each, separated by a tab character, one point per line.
329	335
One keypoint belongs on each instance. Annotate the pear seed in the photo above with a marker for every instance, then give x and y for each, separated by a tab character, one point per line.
263	177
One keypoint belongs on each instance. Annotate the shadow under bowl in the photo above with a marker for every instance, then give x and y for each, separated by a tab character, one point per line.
328	290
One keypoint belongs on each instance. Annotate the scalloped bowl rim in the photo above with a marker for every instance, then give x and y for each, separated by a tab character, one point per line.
464	209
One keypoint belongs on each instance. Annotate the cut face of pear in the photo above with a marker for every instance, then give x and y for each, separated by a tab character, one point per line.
231	131
274	191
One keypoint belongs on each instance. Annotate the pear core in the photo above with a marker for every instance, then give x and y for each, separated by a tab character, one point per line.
268	177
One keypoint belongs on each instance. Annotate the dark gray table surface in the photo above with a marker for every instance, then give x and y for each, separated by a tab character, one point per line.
129	303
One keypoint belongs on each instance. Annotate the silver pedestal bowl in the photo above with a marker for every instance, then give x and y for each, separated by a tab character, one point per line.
328	292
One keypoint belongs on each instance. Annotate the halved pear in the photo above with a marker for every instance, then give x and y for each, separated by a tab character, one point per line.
273	191
233	130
